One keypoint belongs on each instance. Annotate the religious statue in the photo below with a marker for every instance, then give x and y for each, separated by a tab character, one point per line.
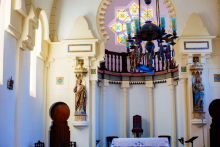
80	98
198	94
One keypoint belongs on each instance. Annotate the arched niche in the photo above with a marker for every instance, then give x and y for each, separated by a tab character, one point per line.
195	27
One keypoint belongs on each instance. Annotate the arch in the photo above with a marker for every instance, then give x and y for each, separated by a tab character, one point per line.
42	17
103	7
195	27
53	32
41	14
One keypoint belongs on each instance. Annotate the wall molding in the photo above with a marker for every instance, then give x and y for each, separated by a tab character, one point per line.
12	31
100	17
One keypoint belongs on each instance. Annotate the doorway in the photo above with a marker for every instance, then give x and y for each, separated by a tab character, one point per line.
59	132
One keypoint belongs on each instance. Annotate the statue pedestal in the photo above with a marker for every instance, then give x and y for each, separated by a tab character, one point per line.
197	119
80	117
80	124
80	121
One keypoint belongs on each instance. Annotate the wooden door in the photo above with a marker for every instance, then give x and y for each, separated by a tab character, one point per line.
60	112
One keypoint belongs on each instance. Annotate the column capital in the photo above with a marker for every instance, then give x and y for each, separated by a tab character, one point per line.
183	80
104	83
171	82
149	84
125	84
93	81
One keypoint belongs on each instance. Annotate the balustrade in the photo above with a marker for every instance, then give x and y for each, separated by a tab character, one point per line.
120	62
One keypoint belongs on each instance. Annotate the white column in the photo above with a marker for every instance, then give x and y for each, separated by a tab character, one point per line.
93	103
125	85
172	83
150	85
185	124
103	85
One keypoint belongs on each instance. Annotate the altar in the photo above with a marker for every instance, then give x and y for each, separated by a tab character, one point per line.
137	142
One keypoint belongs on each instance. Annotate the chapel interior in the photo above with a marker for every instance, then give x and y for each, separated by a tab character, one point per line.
109	73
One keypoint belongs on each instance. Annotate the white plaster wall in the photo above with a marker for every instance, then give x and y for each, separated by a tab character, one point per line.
7	97
20	115
162	110
206	9
62	65
32	107
57	95
138	105
113	103
69	10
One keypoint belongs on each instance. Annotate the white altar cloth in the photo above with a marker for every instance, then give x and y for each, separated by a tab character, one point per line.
143	142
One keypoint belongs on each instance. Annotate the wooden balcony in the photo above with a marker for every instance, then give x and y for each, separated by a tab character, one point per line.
118	64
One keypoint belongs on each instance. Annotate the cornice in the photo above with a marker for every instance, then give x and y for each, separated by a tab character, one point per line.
12	31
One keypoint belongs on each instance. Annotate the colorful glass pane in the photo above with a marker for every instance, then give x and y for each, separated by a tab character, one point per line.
123	15
121	39
134	10
146	15
118	27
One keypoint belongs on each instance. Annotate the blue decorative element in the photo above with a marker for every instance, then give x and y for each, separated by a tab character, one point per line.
145	69
201	48
162	21
60	81
183	69
69	51
148	2
149	45
216	77
174	23
127	43
198	94
136	22
128	27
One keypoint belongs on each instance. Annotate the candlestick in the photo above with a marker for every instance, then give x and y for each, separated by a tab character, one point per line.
128	27
162	21
174	24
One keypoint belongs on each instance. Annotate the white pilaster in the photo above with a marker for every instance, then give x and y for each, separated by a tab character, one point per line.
93	124
185	122
150	85
125	85
172	83
103	85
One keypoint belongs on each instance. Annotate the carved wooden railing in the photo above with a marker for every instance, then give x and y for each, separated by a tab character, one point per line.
120	63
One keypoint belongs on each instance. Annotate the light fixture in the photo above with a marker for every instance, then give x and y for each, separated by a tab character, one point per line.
148	33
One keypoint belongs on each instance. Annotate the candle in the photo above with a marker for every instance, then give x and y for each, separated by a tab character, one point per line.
128	27
174	24
136	22
127	43
162	21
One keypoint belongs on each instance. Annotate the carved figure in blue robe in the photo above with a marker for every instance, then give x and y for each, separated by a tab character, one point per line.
198	94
